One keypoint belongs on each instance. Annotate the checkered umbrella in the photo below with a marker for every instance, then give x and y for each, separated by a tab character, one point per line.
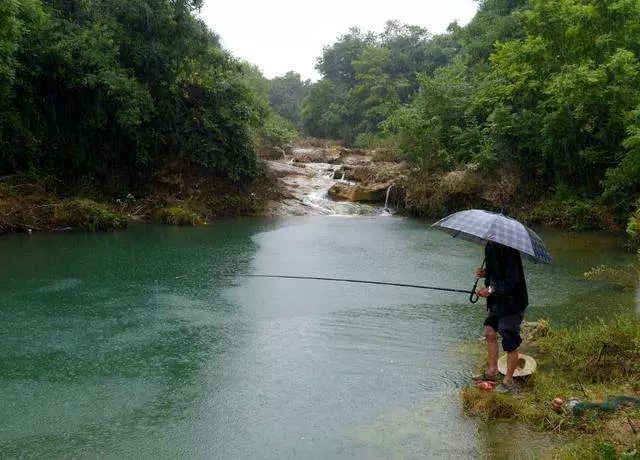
480	226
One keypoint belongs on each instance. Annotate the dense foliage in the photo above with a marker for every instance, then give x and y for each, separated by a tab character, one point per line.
546	90
286	94
109	94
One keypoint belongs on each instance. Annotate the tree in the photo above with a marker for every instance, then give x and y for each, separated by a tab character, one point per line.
286	94
111	93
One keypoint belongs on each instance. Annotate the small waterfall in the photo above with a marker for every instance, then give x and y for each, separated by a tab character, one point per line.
308	185
386	199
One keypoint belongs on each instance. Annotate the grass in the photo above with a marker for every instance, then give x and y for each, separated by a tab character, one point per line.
592	362
180	215
84	214
26	206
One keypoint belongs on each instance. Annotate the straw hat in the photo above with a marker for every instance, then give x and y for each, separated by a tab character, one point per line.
526	365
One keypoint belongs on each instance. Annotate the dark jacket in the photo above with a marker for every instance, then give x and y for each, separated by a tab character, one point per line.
504	272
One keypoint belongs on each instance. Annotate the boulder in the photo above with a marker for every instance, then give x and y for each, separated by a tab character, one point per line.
353	160
344	152
283	169
273	153
314	155
371	193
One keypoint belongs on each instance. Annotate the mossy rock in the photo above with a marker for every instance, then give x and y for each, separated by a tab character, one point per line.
88	215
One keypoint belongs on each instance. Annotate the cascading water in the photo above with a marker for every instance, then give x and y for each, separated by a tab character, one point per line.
308	185
386	199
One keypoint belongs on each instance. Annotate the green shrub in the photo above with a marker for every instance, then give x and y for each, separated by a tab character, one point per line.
624	277
179	215
573	213
597	352
276	132
441	193
385	147
633	226
90	216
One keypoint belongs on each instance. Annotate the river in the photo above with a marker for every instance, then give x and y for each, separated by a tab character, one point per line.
131	345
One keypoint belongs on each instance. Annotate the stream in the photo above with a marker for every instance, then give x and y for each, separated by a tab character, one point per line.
132	344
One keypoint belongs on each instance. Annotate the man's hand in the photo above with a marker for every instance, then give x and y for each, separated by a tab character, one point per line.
479	272
484	292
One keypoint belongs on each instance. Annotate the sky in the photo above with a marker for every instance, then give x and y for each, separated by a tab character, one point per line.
283	35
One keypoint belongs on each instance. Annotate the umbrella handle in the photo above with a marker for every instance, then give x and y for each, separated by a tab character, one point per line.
473	297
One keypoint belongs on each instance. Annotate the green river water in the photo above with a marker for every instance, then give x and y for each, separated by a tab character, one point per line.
129	345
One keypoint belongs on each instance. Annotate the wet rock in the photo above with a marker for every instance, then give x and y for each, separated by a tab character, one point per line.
284	169
274	153
372	193
353	160
314	155
345	152
329	179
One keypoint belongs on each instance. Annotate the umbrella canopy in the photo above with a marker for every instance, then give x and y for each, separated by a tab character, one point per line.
480	226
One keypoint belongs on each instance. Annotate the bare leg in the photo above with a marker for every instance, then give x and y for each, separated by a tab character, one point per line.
492	351
512	363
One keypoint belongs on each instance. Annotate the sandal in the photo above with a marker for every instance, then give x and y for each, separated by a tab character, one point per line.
492	378
508	389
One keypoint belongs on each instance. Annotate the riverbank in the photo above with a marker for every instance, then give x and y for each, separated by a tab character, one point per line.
28	205
312	177
594	363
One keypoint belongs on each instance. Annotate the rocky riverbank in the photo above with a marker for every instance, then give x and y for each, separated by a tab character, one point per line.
333	180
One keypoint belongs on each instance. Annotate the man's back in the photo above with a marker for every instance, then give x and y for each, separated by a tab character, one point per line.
505	273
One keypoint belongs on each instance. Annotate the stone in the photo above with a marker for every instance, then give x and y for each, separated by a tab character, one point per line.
274	153
372	193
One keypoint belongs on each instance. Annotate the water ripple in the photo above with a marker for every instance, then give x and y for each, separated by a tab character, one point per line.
60	285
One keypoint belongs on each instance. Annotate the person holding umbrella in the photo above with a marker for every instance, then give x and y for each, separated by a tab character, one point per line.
507	298
505	240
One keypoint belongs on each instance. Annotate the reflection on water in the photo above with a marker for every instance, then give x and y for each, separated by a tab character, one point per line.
131	345
505	441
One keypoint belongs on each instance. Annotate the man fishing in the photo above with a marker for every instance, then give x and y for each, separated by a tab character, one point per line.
506	293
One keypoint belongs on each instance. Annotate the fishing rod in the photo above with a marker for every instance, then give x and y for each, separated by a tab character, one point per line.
346	280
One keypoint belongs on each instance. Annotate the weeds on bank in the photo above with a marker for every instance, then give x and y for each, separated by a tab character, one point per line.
88	215
592	362
180	215
625	278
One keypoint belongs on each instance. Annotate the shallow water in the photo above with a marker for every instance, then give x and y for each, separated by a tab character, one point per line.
130	345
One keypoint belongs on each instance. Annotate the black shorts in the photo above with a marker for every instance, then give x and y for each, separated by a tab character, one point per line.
508	327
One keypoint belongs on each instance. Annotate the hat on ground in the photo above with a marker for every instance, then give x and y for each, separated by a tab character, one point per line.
526	365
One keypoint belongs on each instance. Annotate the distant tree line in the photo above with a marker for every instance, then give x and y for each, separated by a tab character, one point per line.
549	89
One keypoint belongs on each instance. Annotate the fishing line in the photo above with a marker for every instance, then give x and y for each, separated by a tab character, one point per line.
345	280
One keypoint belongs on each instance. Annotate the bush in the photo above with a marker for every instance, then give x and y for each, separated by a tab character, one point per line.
179	215
276	132
573	213
597	352
625	278
90	216
438	194
633	226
